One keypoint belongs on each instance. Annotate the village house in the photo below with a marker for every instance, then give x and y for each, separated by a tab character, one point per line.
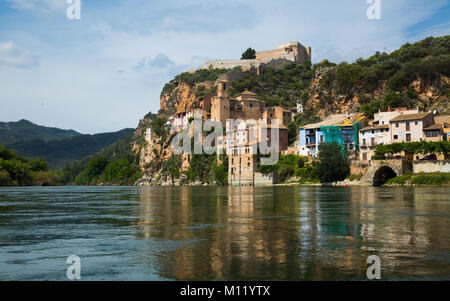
444	122
339	128
378	131
410	127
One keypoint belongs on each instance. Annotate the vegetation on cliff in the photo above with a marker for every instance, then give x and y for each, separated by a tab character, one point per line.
283	86
389	80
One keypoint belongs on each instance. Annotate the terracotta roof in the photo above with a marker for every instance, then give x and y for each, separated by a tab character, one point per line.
337	120
433	127
407	117
378	127
442	119
248	93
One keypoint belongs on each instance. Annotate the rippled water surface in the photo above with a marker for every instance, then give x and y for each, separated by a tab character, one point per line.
224	233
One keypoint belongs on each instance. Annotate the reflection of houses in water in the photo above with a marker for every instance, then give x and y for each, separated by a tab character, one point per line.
226	234
278	233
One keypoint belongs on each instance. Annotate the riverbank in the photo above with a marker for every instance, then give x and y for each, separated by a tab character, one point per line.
431	179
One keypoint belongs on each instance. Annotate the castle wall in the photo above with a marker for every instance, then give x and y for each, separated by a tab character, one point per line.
293	52
231	64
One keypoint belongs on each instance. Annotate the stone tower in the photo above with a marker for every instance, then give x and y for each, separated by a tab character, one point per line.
221	104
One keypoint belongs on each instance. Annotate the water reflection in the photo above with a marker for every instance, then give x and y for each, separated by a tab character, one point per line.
224	233
300	233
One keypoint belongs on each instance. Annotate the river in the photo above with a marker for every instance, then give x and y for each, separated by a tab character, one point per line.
225	233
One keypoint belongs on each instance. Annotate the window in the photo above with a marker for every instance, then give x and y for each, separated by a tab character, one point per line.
373	141
408	137
408	126
395	137
364	141
430	134
397	125
416	123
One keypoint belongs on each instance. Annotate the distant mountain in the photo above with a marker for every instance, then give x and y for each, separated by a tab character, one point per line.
24	130
58	147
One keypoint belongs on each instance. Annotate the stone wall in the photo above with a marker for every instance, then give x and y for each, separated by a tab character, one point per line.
264	180
431	167
359	167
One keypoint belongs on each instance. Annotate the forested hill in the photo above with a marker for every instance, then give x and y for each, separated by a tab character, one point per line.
61	152
58	147
24	130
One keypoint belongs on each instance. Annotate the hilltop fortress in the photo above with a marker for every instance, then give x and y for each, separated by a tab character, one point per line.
290	52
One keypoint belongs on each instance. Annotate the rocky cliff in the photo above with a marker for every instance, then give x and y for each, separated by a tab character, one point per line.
326	99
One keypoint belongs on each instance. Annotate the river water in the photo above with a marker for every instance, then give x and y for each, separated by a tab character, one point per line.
224	233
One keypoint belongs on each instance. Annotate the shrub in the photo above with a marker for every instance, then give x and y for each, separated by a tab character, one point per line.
333	165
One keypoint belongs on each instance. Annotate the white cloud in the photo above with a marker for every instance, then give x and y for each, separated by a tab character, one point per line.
13	56
48	5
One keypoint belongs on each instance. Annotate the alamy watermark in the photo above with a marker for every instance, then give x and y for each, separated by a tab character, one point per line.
74	270
253	137
73	11
374	10
374	271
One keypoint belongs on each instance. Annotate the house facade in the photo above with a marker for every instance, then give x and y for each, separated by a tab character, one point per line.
410	127
341	128
379	131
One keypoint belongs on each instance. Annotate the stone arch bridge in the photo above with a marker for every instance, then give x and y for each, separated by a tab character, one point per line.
380	171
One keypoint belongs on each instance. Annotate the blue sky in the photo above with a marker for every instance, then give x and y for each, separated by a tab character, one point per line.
105	71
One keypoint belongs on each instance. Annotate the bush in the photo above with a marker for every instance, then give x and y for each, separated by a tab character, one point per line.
333	165
5	179
431	179
398	180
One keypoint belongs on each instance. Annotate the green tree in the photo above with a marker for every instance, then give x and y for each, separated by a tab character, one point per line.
249	54
38	165
333	166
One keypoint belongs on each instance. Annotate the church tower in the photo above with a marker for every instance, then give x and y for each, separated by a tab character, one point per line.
221	104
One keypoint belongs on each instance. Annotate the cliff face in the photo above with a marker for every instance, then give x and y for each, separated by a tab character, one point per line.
326	99
154	149
182	98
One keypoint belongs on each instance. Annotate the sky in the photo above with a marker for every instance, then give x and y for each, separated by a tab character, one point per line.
105	71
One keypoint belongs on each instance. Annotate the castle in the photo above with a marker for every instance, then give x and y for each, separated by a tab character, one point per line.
290	52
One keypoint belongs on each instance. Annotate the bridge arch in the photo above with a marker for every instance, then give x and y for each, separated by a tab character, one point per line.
382	175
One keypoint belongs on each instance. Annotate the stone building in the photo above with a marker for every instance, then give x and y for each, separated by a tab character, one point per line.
241	140
290	52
